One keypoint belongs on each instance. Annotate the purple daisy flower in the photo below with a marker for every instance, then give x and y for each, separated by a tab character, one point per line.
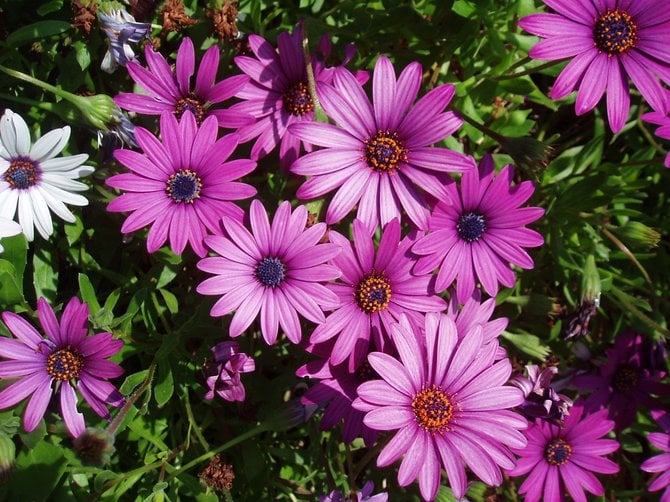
277	93
560	458
276	269
542	400
627	380
66	359
172	91
481	233
375	289
663	120
380	155
608	41
660	463
335	390
365	495
473	313
223	377
447	399
181	186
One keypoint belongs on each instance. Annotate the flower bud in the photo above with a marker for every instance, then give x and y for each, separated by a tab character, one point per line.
94	446
7	456
638	234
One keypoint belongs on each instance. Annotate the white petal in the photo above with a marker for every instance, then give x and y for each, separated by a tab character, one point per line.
9	227
22	135
58	207
67	197
26	216
60	181
70	165
41	212
8	200
50	144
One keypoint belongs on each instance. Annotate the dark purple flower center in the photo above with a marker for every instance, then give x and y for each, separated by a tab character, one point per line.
22	174
297	100
384	151
366	372
192	104
471	226
433	409
271	271
373	293
614	32
184	186
557	452
64	364
625	378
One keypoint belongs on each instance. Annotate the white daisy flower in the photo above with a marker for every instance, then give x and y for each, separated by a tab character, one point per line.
7	229
33	180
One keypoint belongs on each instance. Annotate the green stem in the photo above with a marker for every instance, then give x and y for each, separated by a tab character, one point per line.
529	71
114	425
638	313
622	247
480	127
206	456
319	114
191	420
68	96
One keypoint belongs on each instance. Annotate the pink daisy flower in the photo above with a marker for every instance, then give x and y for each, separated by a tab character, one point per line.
560	458
277	270
447	399
379	156
660	463
608	41
277	94
181	186
172	91
66	359
481	233
663	120
224	374
375	288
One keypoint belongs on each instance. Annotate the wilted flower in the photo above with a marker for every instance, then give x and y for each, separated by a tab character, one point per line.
121	30
218	475
542	401
224	373
33	181
365	495
65	359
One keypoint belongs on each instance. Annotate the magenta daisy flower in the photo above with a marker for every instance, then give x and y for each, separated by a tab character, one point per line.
277	94
663	120
629	378
365	495
560	458
447	399
224	373
380	155
660	463
181	186
172	91
276	269
608	42
481	233
66	359
375	288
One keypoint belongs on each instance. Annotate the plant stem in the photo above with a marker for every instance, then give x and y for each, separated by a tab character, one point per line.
68	96
114	425
529	71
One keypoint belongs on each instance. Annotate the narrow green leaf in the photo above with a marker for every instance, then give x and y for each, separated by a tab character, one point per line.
88	293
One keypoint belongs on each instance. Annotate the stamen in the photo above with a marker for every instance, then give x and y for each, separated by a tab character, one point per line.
271	271
433	409
373	293
22	174
614	32
557	452
625	378
384	151
184	186
194	105
297	100
64	364
471	226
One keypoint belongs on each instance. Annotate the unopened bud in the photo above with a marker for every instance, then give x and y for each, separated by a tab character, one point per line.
94	446
638	234
7	456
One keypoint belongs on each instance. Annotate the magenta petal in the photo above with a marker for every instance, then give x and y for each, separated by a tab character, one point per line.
389	418
22	330
74	420
36	407
398	445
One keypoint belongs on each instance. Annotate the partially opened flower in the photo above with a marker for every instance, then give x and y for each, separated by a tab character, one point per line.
375	288
365	495
561	458
277	94
608	41
182	186
33	181
448	401
660	463
122	30
7	229
481	233
629	378
379	155
223	375
173	91
663	120
67	359
542	400
276	270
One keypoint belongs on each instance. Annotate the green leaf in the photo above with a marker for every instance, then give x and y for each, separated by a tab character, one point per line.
164	387
527	343
82	55
88	293
11	287
49	7
38	471
170	300
37	31
133	381
45	273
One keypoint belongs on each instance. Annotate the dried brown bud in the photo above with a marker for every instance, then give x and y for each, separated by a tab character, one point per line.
84	16
218	475
174	17
225	21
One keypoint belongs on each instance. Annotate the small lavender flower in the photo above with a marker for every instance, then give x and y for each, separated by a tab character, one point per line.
224	373
121	30
542	401
365	495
